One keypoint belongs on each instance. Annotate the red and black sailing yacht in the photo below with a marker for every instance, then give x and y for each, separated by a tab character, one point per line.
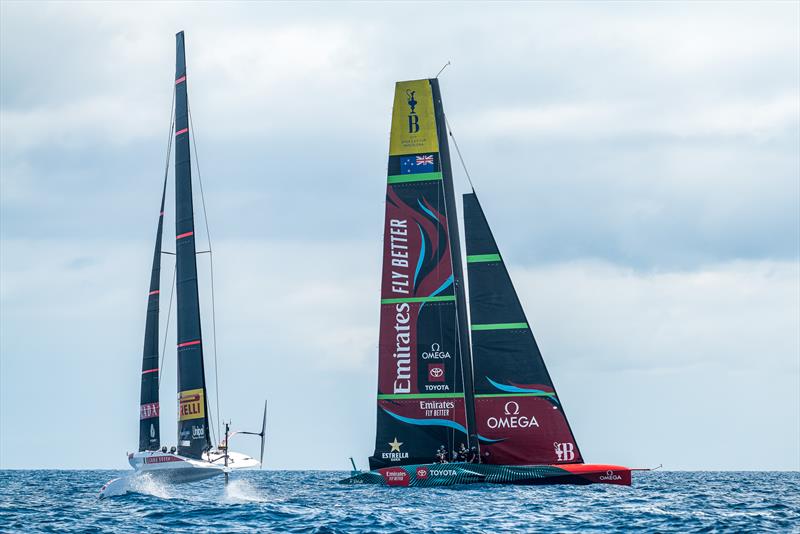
461	398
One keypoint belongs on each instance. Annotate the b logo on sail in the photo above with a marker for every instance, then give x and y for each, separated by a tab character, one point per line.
413	118
564	451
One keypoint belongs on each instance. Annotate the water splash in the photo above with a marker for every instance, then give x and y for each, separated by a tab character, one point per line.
114	488
239	490
149	485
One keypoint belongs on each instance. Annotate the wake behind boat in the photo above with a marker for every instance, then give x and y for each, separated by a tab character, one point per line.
455	409
195	457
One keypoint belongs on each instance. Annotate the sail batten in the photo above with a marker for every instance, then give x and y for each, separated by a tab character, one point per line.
516	404
193	427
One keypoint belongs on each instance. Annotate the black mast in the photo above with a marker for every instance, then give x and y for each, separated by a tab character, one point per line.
458	271
149	428
193	428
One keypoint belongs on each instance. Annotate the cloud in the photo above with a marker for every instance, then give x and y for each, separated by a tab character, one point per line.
759	118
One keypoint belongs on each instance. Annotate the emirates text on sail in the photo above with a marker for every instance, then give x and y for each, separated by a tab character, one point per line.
402	354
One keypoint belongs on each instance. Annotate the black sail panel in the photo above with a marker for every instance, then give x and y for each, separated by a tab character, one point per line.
193	428
149	429
518	413
421	405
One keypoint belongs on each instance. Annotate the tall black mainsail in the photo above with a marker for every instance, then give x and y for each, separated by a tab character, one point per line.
193	428
149	428
516	406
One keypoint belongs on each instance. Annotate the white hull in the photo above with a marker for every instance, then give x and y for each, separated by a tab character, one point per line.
176	469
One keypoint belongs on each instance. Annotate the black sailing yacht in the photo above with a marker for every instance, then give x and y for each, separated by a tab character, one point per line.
195	457
454	408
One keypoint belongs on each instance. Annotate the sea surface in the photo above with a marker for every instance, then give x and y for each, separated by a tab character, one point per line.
312	501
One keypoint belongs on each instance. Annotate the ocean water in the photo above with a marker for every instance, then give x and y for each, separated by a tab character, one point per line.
312	501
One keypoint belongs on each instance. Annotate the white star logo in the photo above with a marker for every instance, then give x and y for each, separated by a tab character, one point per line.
395	445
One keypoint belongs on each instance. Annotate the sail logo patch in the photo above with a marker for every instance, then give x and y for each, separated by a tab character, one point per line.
402	354
191	404
394	454
148	410
436	353
436	372
564	451
511	418
413	119
398	246
417	164
436	408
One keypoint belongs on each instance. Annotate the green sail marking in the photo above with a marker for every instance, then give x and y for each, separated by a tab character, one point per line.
419	177
500	326
481	258
445	298
531	394
413	396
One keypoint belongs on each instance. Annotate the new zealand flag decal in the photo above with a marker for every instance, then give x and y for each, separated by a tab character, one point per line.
417	164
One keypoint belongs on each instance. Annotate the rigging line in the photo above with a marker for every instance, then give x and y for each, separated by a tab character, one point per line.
458	151
170	136
211	266
442	69
166	331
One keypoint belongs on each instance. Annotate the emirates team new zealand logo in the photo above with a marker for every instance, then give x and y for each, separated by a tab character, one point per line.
413	118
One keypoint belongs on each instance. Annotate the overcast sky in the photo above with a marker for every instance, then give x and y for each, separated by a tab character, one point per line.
638	162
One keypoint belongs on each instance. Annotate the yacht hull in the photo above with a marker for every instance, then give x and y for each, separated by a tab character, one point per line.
175	469
451	474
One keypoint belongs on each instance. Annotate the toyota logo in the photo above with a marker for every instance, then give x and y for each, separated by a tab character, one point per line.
436	372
